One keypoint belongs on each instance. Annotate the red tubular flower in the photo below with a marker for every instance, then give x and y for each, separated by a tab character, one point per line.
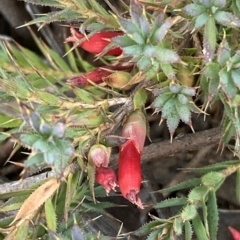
97	75
97	42
98	156
107	178
235	233
129	168
129	173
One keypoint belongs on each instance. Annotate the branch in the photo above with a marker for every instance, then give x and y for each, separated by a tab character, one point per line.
188	142
185	143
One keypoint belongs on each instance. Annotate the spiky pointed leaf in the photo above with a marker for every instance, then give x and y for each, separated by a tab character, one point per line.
171	202
185	184
212	215
199	228
209	39
51	217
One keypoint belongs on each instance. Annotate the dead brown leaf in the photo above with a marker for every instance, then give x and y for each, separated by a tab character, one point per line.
36	199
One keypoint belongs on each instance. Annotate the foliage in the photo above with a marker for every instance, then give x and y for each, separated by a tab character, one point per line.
57	130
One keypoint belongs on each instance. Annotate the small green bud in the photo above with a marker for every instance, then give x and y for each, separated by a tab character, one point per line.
118	80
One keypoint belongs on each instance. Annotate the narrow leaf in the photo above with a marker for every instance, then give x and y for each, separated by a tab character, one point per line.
189	212
209	39
188	230
227	19
238	185
212	216
51	217
171	202
140	98
186	184
199	228
147	228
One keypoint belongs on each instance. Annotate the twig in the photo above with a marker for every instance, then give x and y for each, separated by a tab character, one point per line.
159	150
188	142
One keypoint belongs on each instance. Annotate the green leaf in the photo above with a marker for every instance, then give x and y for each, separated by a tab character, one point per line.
169	108
91	177
219	3
162	31
153	71
154	235
144	63
182	99
235	74
199	229
51	217
22	231
160	101
227	19
189	212
171	202
16	88
177	226
124	41
238	185
49	98
227	83
11	207
234	60
201	20
144	25
34	120
127	25
209	39
147	228
211	70
189	91
4	222
184	112
205	3
224	52
214	167
135	13
167	70
212	216
188	230
186	184
172	121
140	98
133	50
29	139
166	55
213	179
198	194
50	3
213	87
9	122
194	9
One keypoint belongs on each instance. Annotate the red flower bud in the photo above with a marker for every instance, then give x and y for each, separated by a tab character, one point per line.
235	233
97	42
107	178
135	128
97	75
129	173
98	156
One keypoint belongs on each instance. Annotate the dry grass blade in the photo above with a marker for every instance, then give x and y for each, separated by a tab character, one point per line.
36	199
